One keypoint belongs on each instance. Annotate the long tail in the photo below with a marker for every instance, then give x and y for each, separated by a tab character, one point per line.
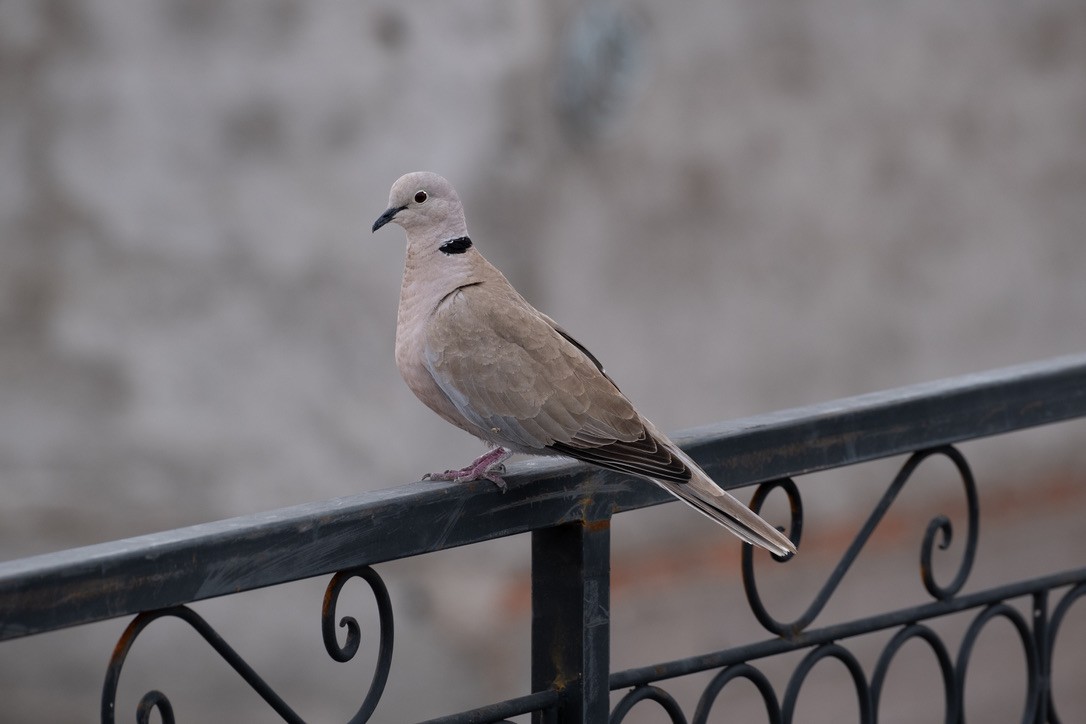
706	497
733	515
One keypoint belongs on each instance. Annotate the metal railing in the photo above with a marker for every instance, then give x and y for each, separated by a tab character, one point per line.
568	510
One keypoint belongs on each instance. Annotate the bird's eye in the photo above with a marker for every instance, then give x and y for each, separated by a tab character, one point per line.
420	196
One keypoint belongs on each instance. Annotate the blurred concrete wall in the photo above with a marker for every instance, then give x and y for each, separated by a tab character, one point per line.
739	206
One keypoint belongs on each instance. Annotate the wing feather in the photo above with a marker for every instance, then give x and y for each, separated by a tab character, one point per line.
527	383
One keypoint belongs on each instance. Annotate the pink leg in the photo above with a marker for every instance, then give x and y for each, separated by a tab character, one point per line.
489	467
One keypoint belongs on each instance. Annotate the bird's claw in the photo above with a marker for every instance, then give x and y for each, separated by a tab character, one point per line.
448	475
489	467
494	475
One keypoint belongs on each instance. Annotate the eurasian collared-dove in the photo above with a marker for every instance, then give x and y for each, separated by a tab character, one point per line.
480	356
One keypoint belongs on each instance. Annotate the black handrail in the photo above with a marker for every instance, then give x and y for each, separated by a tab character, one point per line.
568	508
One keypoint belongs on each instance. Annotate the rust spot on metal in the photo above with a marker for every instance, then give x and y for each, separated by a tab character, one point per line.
598	525
561	680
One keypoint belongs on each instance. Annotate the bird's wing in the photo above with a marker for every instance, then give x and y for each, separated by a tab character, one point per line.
508	369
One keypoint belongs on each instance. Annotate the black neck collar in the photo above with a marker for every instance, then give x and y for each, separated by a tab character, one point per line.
455	246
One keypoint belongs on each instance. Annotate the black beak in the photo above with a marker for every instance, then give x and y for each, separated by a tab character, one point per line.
387	217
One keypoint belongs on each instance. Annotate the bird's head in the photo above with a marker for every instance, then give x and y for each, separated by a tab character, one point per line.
426	205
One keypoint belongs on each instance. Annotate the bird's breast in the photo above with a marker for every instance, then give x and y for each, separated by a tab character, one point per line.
414	314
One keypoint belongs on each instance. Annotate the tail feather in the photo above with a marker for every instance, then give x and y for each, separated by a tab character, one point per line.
729	512
708	498
657	458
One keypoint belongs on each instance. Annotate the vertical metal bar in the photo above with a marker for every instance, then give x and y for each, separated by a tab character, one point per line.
571	614
1044	657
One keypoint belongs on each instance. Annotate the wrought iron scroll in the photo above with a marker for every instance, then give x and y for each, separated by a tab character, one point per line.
939	527
155	700
354	633
868	691
1036	630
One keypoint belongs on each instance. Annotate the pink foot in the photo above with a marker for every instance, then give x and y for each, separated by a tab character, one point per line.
486	467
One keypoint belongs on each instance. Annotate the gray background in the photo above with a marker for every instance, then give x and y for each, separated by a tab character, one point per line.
738	206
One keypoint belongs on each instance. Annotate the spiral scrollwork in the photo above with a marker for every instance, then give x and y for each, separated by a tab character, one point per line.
938	528
155	700
347	651
940	525
795	507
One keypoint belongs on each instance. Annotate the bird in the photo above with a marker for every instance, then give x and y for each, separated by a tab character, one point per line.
478	354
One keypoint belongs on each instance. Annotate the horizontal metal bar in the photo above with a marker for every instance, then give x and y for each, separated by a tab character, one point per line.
892	422
98	582
838	632
502	710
